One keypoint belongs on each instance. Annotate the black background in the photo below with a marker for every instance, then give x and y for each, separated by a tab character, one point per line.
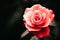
8	8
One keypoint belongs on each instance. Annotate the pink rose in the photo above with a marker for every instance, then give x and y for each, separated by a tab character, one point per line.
37	18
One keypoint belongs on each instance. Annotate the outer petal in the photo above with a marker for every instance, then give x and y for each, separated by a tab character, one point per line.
42	33
27	10
27	16
31	28
46	22
38	7
51	15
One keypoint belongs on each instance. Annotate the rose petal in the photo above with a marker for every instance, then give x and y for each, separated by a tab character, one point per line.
31	28
27	17
44	15
27	10
38	7
36	13
47	22
42	33
51	15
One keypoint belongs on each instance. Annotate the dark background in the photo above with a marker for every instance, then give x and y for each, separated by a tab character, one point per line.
11	15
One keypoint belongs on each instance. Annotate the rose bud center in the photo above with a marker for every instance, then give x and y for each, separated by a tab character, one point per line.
37	18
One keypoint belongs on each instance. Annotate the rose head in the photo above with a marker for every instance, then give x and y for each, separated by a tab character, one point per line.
37	18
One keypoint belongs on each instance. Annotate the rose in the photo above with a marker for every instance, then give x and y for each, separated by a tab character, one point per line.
37	18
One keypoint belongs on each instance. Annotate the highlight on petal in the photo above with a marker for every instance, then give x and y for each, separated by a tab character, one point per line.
27	17
44	15
42	33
